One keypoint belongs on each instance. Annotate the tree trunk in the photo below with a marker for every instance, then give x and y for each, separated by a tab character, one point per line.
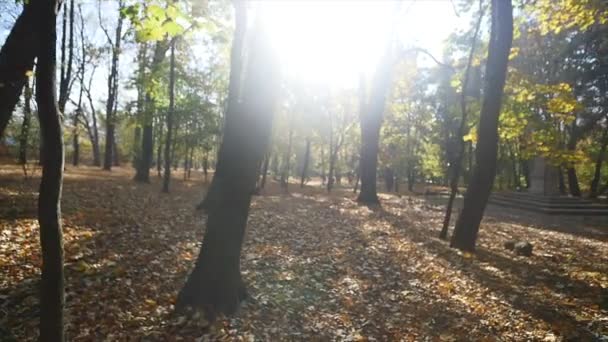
476	197
236	65
49	210
112	94
461	130
575	190
265	171
66	68
147	142
169	139
215	284
305	166
16	60
287	160
597	174
75	144
371	113
25	126
159	147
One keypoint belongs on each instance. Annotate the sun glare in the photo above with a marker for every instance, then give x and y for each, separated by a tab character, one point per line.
327	41
334	41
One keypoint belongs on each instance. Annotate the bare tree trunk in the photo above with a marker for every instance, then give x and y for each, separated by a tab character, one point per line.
168	140
16	61
597	174
265	171
49	210
236	66
476	197
305	166
112	91
287	160
66	68
461	130
215	284
147	142
25	126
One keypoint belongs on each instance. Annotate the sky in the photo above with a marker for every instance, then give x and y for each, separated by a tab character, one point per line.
334	41
328	42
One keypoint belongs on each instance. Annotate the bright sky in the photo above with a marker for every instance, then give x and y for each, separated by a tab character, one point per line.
333	41
328	42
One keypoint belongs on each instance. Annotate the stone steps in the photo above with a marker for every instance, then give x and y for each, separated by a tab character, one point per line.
556	205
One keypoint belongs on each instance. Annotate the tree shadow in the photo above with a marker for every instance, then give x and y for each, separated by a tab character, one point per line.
526	287
586	227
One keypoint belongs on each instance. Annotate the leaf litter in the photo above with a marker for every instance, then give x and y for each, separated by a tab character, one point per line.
318	267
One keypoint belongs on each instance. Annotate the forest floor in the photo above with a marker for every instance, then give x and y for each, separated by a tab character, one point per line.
318	267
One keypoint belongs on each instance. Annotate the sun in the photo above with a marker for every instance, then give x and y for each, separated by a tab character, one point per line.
333	42
327	41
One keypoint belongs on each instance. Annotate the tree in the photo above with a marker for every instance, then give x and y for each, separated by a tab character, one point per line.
170	113
461	130
371	112
478	192
597	173
215	283
115	45
49	209
65	79
17	61
25	126
236	65
304	166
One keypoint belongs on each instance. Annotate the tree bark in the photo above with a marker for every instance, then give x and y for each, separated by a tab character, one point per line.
287	160
25	126
371	113
476	197
265	171
147	142
461	130
597	174
236	66
215	285
16	60
66	68
305	166
49	209
112	93
169	139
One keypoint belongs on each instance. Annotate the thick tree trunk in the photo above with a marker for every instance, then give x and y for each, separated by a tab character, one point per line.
215	284
16	60
597	174
573	186
371	113
49	209
25	126
457	167
169	139
236	66
305	166
476	197
370	135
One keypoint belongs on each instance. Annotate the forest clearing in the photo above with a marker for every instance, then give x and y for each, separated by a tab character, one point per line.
318	267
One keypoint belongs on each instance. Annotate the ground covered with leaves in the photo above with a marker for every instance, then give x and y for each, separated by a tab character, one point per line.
318	267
